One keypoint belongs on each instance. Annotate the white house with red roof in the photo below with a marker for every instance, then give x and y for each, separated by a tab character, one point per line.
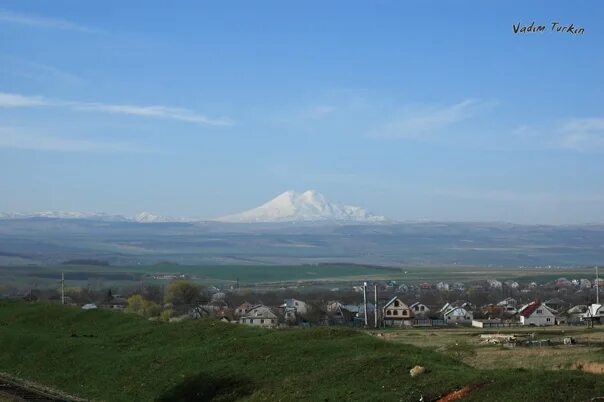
536	313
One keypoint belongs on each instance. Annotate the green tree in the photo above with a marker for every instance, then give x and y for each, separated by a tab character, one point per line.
137	304
183	293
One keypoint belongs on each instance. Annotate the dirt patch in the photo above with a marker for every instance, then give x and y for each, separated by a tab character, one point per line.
460	393
589	367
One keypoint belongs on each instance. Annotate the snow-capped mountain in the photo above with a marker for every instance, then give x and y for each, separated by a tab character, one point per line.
309	206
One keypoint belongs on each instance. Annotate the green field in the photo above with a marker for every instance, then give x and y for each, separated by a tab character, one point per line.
327	274
103	355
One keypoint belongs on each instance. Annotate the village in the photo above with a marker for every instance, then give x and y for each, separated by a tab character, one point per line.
385	304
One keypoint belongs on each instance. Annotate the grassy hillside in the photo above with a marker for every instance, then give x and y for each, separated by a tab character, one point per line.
118	357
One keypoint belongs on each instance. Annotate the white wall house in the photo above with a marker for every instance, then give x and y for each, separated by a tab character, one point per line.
300	306
419	309
536	313
261	316
457	315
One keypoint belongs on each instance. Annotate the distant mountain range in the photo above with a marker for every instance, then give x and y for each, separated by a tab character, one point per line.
309	206
290	206
143	217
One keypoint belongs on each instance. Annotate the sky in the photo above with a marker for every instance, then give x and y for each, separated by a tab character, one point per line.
431	110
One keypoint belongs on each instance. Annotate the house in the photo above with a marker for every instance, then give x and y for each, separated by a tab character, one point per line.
332	306
594	312
396	312
512	284
457	303
453	314
457	315
574	315
259	315
425	286
443	286
494	284
419	309
293	309
492	310
218	297
299	306
562	283
509	301
344	314
116	303
459	287
89	306
243	309
536	313
508	306
584	284
555	304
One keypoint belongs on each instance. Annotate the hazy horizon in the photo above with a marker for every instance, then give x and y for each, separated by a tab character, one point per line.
416	112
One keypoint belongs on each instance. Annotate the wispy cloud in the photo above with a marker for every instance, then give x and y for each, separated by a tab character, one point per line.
575	134
12	17
582	134
16	100
153	111
164	112
31	70
425	121
18	138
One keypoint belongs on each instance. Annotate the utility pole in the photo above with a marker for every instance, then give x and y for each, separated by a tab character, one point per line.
376	310
597	287
365	301
62	287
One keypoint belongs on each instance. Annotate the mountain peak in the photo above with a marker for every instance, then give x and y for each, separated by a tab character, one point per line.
309	206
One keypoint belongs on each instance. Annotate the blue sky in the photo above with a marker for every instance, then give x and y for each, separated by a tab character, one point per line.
413	110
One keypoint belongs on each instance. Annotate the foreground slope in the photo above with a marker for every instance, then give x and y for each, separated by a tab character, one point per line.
110	356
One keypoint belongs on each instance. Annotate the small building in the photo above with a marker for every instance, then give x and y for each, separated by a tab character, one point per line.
555	304
457	315
243	309
419	310
332	306
297	306
512	284
594	313
261	316
396	312
536	313
89	306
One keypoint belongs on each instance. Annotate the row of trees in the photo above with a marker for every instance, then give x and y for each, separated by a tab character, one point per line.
178	298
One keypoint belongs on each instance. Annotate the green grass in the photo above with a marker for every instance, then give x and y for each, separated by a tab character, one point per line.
110	356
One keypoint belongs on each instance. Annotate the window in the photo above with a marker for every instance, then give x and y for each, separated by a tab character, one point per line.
261	321
395	312
539	311
548	320
388	312
422	308
396	303
404	312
